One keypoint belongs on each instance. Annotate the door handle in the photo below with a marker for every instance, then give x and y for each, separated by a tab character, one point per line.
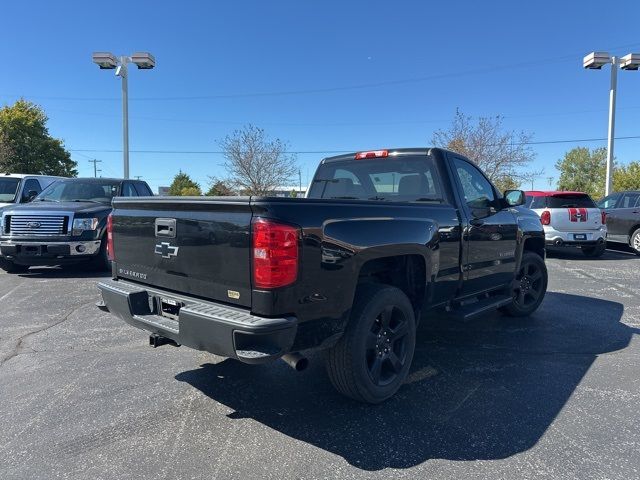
165	227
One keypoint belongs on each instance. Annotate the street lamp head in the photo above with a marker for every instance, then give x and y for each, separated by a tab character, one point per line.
596	60
104	60
144	60
630	62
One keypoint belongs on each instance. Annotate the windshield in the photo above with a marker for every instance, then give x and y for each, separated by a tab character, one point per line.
8	189
399	179
79	191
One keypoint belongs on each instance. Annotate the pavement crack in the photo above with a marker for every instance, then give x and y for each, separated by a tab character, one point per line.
16	349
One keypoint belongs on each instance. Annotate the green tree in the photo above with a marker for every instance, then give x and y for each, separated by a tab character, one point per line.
627	177
183	183
219	189
27	147
583	170
190	192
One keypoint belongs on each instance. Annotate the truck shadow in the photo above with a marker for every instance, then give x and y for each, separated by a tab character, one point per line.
66	271
483	390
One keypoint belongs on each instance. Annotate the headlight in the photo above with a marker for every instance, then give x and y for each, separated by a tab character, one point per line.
85	223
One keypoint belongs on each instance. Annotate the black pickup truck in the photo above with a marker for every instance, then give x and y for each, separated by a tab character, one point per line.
382	237
64	224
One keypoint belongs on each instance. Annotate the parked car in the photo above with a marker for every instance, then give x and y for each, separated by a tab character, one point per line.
381	237
622	210
19	188
64	224
570	219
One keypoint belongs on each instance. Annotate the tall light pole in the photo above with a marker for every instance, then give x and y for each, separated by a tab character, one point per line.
108	61
595	61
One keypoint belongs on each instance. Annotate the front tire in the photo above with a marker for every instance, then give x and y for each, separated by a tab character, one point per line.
529	286
101	262
372	359
11	267
594	252
634	242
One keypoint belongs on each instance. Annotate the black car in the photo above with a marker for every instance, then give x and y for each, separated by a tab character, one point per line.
623	218
382	236
66	223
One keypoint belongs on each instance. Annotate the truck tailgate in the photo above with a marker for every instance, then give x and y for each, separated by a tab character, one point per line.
198	246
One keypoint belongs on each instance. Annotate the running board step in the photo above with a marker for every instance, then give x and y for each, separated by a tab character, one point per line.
470	310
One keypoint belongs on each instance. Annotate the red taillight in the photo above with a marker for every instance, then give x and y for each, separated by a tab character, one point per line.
545	217
110	251
372	154
275	254
604	217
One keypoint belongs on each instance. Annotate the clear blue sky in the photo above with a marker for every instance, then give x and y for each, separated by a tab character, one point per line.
522	60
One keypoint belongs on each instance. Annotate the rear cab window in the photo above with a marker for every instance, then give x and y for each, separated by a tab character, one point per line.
402	178
142	189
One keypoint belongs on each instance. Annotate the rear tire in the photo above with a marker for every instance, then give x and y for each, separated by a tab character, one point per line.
634	242
529	286
594	252
372	359
11	267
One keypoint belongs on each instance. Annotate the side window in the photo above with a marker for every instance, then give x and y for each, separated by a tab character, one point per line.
609	202
128	190
30	185
478	192
629	200
142	189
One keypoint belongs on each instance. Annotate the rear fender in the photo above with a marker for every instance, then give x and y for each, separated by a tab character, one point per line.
356	241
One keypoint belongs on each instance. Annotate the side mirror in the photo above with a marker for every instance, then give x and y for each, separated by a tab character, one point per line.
514	198
32	194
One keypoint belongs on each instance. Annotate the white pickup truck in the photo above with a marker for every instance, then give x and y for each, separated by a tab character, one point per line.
21	188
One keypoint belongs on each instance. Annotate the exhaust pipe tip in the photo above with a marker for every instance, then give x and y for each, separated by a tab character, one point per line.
156	341
296	361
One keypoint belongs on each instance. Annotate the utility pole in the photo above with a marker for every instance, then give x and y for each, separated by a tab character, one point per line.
95	166
300	180
550	180
137	177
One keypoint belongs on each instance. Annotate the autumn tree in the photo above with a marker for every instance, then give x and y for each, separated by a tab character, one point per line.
26	145
183	185
500	153
256	164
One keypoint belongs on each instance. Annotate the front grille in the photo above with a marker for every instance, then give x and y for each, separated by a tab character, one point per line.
37	225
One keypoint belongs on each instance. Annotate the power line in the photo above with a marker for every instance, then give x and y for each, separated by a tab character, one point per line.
302	152
341	88
326	124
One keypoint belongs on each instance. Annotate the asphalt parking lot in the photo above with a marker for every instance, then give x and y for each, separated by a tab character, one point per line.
554	396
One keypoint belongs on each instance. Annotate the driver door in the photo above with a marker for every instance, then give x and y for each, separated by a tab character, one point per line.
490	234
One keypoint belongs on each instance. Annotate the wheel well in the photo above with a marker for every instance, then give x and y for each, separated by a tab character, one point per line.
535	245
406	272
633	229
